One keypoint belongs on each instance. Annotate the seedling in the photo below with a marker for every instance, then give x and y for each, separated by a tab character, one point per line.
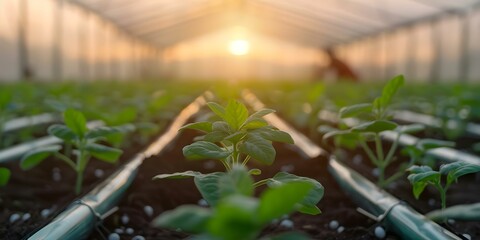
234	140
421	176
240	137
370	131
84	142
238	215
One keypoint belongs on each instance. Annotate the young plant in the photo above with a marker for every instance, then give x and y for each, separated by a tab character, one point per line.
240	137
238	215
421	176
234	140
84	141
370	131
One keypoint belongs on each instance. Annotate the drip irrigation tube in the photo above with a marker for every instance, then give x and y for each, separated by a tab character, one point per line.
87	213
24	122
382	206
17	151
430	121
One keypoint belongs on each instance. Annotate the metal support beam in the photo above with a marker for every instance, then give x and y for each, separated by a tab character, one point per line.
411	49
464	67
437	51
57	46
25	71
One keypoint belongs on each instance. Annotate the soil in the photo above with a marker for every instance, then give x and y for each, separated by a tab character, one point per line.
164	195
35	190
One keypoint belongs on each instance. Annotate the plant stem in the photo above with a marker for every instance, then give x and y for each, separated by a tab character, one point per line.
246	160
65	159
369	152
379	147
261	182
443	194
78	184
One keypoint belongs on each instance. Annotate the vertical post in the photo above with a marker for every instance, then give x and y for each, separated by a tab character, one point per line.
437	52
411	50
25	71
83	48
464	67
57	42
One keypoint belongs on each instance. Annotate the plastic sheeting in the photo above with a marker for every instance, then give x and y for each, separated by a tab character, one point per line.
427	40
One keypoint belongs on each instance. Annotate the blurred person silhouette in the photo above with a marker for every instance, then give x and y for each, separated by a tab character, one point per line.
338	68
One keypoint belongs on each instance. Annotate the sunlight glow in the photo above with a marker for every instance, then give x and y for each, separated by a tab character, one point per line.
239	47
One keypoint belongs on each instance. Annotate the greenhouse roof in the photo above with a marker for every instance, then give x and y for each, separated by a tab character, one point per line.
308	22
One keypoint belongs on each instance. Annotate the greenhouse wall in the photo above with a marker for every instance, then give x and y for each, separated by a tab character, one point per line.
442	49
66	42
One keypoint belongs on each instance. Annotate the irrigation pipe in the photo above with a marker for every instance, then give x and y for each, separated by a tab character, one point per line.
24	122
383	207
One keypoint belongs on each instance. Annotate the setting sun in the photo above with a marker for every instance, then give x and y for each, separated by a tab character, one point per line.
239	47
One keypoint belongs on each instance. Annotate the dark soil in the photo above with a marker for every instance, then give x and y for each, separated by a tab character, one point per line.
35	190
164	195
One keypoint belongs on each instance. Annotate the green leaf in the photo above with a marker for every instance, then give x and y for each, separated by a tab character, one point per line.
104	153
276	202
188	218
335	133
355	110
200	126
458	169
236	137
273	135
178	175
217	109
235	114
236	181
75	121
235	218
375	126
36	156
208	185
215	136
4	176
255	120
464	212
261	113
62	132
254	123
221	126
420	177
426	144
309	203
259	149
204	150
389	91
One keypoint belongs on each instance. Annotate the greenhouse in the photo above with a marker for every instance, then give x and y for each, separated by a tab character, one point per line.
239	119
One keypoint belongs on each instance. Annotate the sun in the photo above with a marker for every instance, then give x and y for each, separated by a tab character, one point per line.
239	47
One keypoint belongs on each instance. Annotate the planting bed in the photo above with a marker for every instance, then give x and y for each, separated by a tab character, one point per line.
48	188
31	194
164	195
